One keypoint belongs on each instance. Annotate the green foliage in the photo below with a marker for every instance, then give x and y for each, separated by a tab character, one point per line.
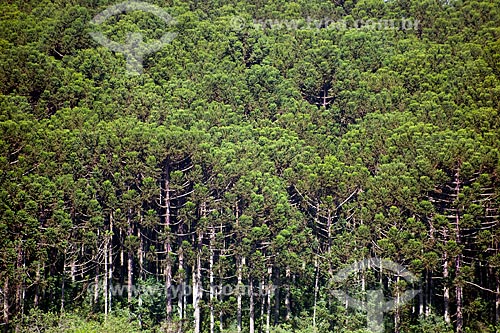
38	321
271	153
431	324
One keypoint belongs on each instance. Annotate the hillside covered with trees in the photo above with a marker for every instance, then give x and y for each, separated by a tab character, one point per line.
249	152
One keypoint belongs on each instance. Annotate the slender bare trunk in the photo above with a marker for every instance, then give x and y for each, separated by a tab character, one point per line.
62	284
130	274
421	300
316	283
165	203
381	276
20	284
140	253
363	277
252	306
221	321
96	277
277	297
6	300
241	263
221	312
397	314
96	287
105	281
269	291
497	302
197	290
130	261
212	280
459	296
287	294
180	298
446	290
72	270
37	283
184	297
428	282
460	318
263	293
458	288
122	255
428	308
62	292
329	226
168	287
110	263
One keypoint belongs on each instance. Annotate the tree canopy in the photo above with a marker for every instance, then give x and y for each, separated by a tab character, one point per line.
269	145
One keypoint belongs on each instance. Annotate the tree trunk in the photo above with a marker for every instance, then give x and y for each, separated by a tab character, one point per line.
428	302
6	300
110	263
184	297
165	204
316	282
63	284
168	285
459	297
37	284
211	277
197	290
277	297
105	280
130	273
221	312
130	262
363	277
263	293
459	288
140	252
428	282
329	226
269	290
180	298
20	284
62	287
252	306
497	302
72	271
460	317
397	314
96	277
241	263
287	294
96	287
122	253
446	290
421	299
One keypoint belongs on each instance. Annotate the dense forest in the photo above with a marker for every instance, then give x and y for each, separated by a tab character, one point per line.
261	147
